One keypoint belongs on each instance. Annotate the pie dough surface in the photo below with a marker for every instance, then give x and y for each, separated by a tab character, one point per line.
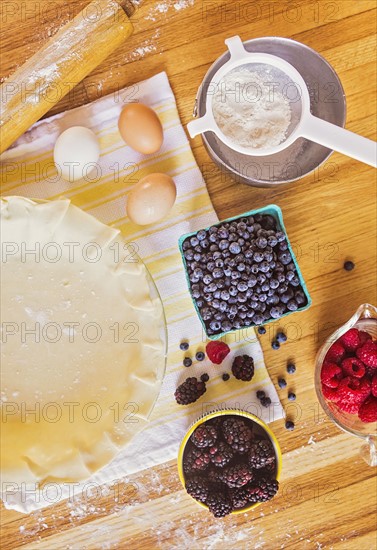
83	342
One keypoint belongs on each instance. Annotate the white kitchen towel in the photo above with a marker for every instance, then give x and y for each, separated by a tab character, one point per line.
27	169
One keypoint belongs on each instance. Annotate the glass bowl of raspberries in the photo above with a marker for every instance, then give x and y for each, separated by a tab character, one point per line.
229	462
242	272
346	378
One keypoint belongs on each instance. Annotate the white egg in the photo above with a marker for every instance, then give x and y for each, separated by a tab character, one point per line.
76	153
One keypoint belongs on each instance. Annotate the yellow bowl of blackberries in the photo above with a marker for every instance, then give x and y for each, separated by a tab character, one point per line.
230	462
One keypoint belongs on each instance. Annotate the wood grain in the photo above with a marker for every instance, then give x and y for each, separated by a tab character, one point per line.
328	494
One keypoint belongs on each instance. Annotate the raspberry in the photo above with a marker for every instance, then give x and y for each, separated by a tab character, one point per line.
351	408
368	354
335	354
331	374
217	351
374	385
350	340
364	337
368	410
330	393
353	390
353	367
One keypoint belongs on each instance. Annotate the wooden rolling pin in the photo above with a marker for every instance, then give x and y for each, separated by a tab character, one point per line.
66	59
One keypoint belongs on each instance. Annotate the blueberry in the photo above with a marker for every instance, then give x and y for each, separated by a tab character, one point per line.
194	241
204	377
289	275
265	401
291	368
226	326
291	396
261	330
275	344
295	281
184	346
215	326
242	286
276	312
264	267
300	297
252	281
274	283
258	257
258	319
201	235
223	244
217	273
200	356
272	241
234	248
187	362
282	383
241	267
261	242
292	305
225	376
213	229
207	279
281	337
348	265
280	236
289	425
213	238
285	258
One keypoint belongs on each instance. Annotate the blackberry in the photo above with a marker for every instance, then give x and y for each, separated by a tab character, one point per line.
215	475
221	454
187	362
261	454
243	367
198	488
189	391
237	434
195	460
263	489
240	498
184	346
204	377
219	503
237	476
204	436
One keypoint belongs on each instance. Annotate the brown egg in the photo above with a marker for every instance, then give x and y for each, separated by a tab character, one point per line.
141	128
151	199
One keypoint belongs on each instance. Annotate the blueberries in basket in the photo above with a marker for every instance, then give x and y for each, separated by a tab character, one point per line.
241	274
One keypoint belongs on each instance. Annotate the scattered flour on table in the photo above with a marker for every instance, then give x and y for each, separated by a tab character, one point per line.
249	111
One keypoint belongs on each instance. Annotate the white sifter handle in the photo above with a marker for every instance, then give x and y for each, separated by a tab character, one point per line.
339	139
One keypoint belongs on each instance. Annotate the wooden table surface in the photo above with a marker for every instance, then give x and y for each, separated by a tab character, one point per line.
328	494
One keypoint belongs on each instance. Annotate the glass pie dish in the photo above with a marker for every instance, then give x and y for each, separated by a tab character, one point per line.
364	319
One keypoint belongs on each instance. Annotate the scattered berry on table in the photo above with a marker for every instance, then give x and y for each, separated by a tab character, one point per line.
204	377
281	337
265	401
198	488
289	425
261	330
200	356
291	396
261	394
187	362
243	367
275	344
204	436
282	383
261	454
184	346
221	453
217	351
189	391
291	368
225	376
348	265
237	434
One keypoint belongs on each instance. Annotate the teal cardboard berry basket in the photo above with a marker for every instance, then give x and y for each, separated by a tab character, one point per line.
274	211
